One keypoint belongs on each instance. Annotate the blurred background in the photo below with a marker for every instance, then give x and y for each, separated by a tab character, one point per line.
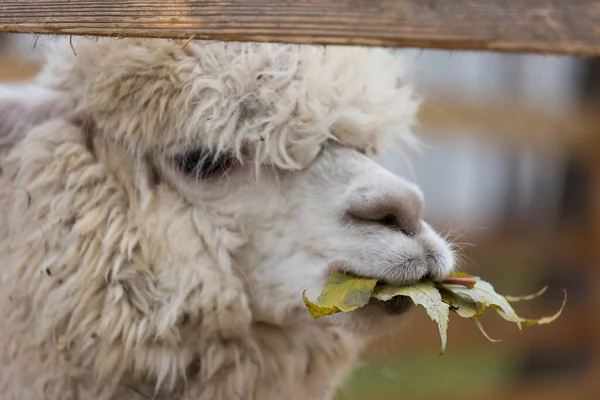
512	175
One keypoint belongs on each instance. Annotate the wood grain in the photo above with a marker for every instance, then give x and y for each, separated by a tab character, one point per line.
537	26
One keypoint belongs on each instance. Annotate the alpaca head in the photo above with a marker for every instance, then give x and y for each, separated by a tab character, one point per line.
241	175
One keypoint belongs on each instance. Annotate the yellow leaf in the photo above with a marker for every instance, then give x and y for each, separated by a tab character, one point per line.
460	275
485	294
546	320
342	293
514	299
484	333
424	294
318	311
345	293
464	307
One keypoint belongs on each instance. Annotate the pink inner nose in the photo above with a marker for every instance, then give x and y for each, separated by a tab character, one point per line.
397	210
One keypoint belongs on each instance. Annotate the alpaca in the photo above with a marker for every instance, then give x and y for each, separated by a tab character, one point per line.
164	205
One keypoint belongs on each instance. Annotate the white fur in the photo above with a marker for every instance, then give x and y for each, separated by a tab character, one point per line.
122	278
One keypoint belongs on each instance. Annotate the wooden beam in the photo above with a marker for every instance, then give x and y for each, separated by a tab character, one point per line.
538	26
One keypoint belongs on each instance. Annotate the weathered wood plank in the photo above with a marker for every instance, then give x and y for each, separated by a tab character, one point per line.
546	26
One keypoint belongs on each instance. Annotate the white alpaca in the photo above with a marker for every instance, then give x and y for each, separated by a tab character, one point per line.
164	206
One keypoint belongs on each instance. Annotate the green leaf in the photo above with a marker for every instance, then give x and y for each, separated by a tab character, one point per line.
459	304
424	294
316	310
484	294
342	293
465	295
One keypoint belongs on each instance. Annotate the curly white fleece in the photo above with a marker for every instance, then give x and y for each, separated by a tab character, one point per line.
112	283
279	101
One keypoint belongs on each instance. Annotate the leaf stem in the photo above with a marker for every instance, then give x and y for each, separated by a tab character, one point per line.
468	282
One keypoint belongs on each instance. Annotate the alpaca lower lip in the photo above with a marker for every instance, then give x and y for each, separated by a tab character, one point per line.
347	268
396	306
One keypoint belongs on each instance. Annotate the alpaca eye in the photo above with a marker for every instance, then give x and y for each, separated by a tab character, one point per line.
203	164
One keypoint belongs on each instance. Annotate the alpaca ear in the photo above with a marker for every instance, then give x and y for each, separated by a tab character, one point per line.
24	106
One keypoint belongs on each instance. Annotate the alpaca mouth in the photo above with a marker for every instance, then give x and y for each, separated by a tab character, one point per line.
393	307
396	306
399	304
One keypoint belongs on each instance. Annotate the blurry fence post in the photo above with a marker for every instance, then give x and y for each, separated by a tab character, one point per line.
592	95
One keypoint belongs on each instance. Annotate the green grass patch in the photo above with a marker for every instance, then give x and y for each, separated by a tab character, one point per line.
419	376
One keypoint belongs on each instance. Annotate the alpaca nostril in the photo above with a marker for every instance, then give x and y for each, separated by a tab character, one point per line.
396	211
391	221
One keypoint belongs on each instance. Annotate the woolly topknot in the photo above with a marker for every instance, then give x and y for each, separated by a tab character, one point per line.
277	104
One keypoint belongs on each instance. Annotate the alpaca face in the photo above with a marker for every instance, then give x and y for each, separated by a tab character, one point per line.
343	212
242	172
164	206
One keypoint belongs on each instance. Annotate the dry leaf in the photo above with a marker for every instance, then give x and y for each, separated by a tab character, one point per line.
546	320
465	295
514	299
342	293
483	294
424	294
